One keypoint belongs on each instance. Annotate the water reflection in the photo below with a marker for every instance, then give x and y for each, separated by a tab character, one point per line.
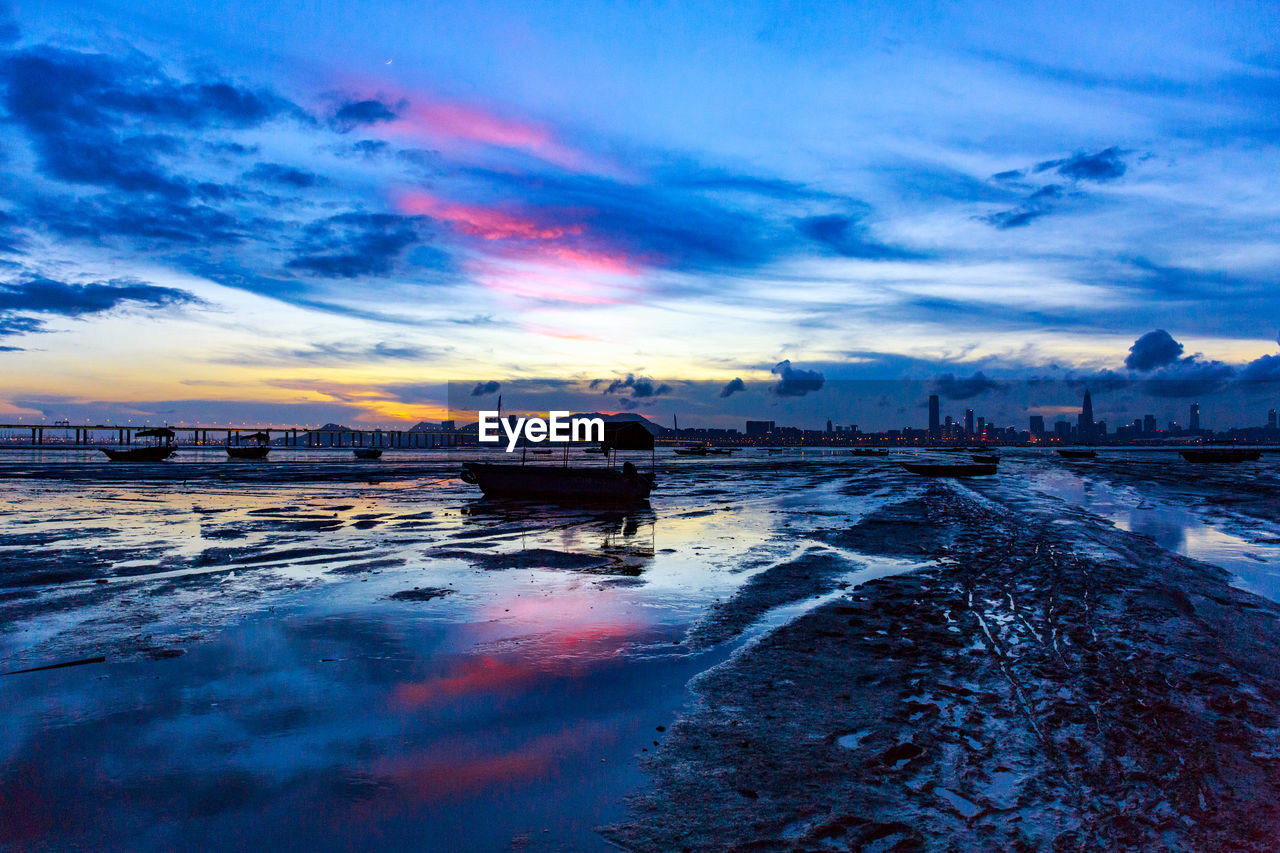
264	687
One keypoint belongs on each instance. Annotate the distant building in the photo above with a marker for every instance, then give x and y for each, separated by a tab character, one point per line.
829	429
448	426
1271	419
982	426
1037	425
1084	423
1193	423
1149	425
935	426
756	429
968	421
1063	430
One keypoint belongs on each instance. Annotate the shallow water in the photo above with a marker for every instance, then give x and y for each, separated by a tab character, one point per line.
261	685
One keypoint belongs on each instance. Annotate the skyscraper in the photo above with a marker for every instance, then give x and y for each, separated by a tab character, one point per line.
1037	425
1271	419
1193	423
935	422
1084	424
968	421
1149	425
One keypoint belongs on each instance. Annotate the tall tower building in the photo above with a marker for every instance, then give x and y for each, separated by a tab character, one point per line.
1084	424
1037	425
1193	423
1271	419
935	422
968	421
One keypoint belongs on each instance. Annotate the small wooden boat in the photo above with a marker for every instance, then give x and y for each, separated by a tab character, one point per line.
868	451
1222	454
773	450
603	485
565	484
690	451
1077	454
162	450
948	469
719	451
542	452
257	450
985	458
367	452
154	453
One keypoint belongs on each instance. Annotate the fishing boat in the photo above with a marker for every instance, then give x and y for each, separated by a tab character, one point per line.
985	458
1222	454
691	450
572	484
868	451
949	469
258	450
720	451
542	452
1077	454
367	452
160	450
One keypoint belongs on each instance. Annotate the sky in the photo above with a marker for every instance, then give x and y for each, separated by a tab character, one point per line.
242	213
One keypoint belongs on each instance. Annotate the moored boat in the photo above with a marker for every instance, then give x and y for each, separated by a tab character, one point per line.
947	469
571	484
158	452
868	451
985	458
367	452
258	450
1222	454
1077	454
691	450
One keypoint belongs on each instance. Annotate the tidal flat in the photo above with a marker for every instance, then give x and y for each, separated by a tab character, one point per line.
781	651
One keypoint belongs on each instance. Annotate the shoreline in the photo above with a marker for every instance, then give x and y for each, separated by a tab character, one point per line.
1033	686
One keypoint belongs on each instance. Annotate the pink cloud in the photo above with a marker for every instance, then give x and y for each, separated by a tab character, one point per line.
487	223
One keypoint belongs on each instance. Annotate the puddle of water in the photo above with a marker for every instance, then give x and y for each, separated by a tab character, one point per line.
1180	529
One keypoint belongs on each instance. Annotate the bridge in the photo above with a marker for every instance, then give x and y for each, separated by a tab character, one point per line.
61	434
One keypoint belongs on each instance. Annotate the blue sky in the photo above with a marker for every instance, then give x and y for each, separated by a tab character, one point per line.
223	211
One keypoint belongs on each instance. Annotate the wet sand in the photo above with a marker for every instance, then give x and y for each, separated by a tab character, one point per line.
788	651
1046	681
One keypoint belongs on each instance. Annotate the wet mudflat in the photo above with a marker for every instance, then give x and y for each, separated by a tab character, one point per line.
325	654
1052	678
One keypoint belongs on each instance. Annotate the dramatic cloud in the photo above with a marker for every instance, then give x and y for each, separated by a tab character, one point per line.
794	382
109	122
484	388
354	244
1103	166
637	388
1154	349
276	173
1039	203
1189	377
846	236
46	296
18	299
370	111
733	387
1263	369
953	387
